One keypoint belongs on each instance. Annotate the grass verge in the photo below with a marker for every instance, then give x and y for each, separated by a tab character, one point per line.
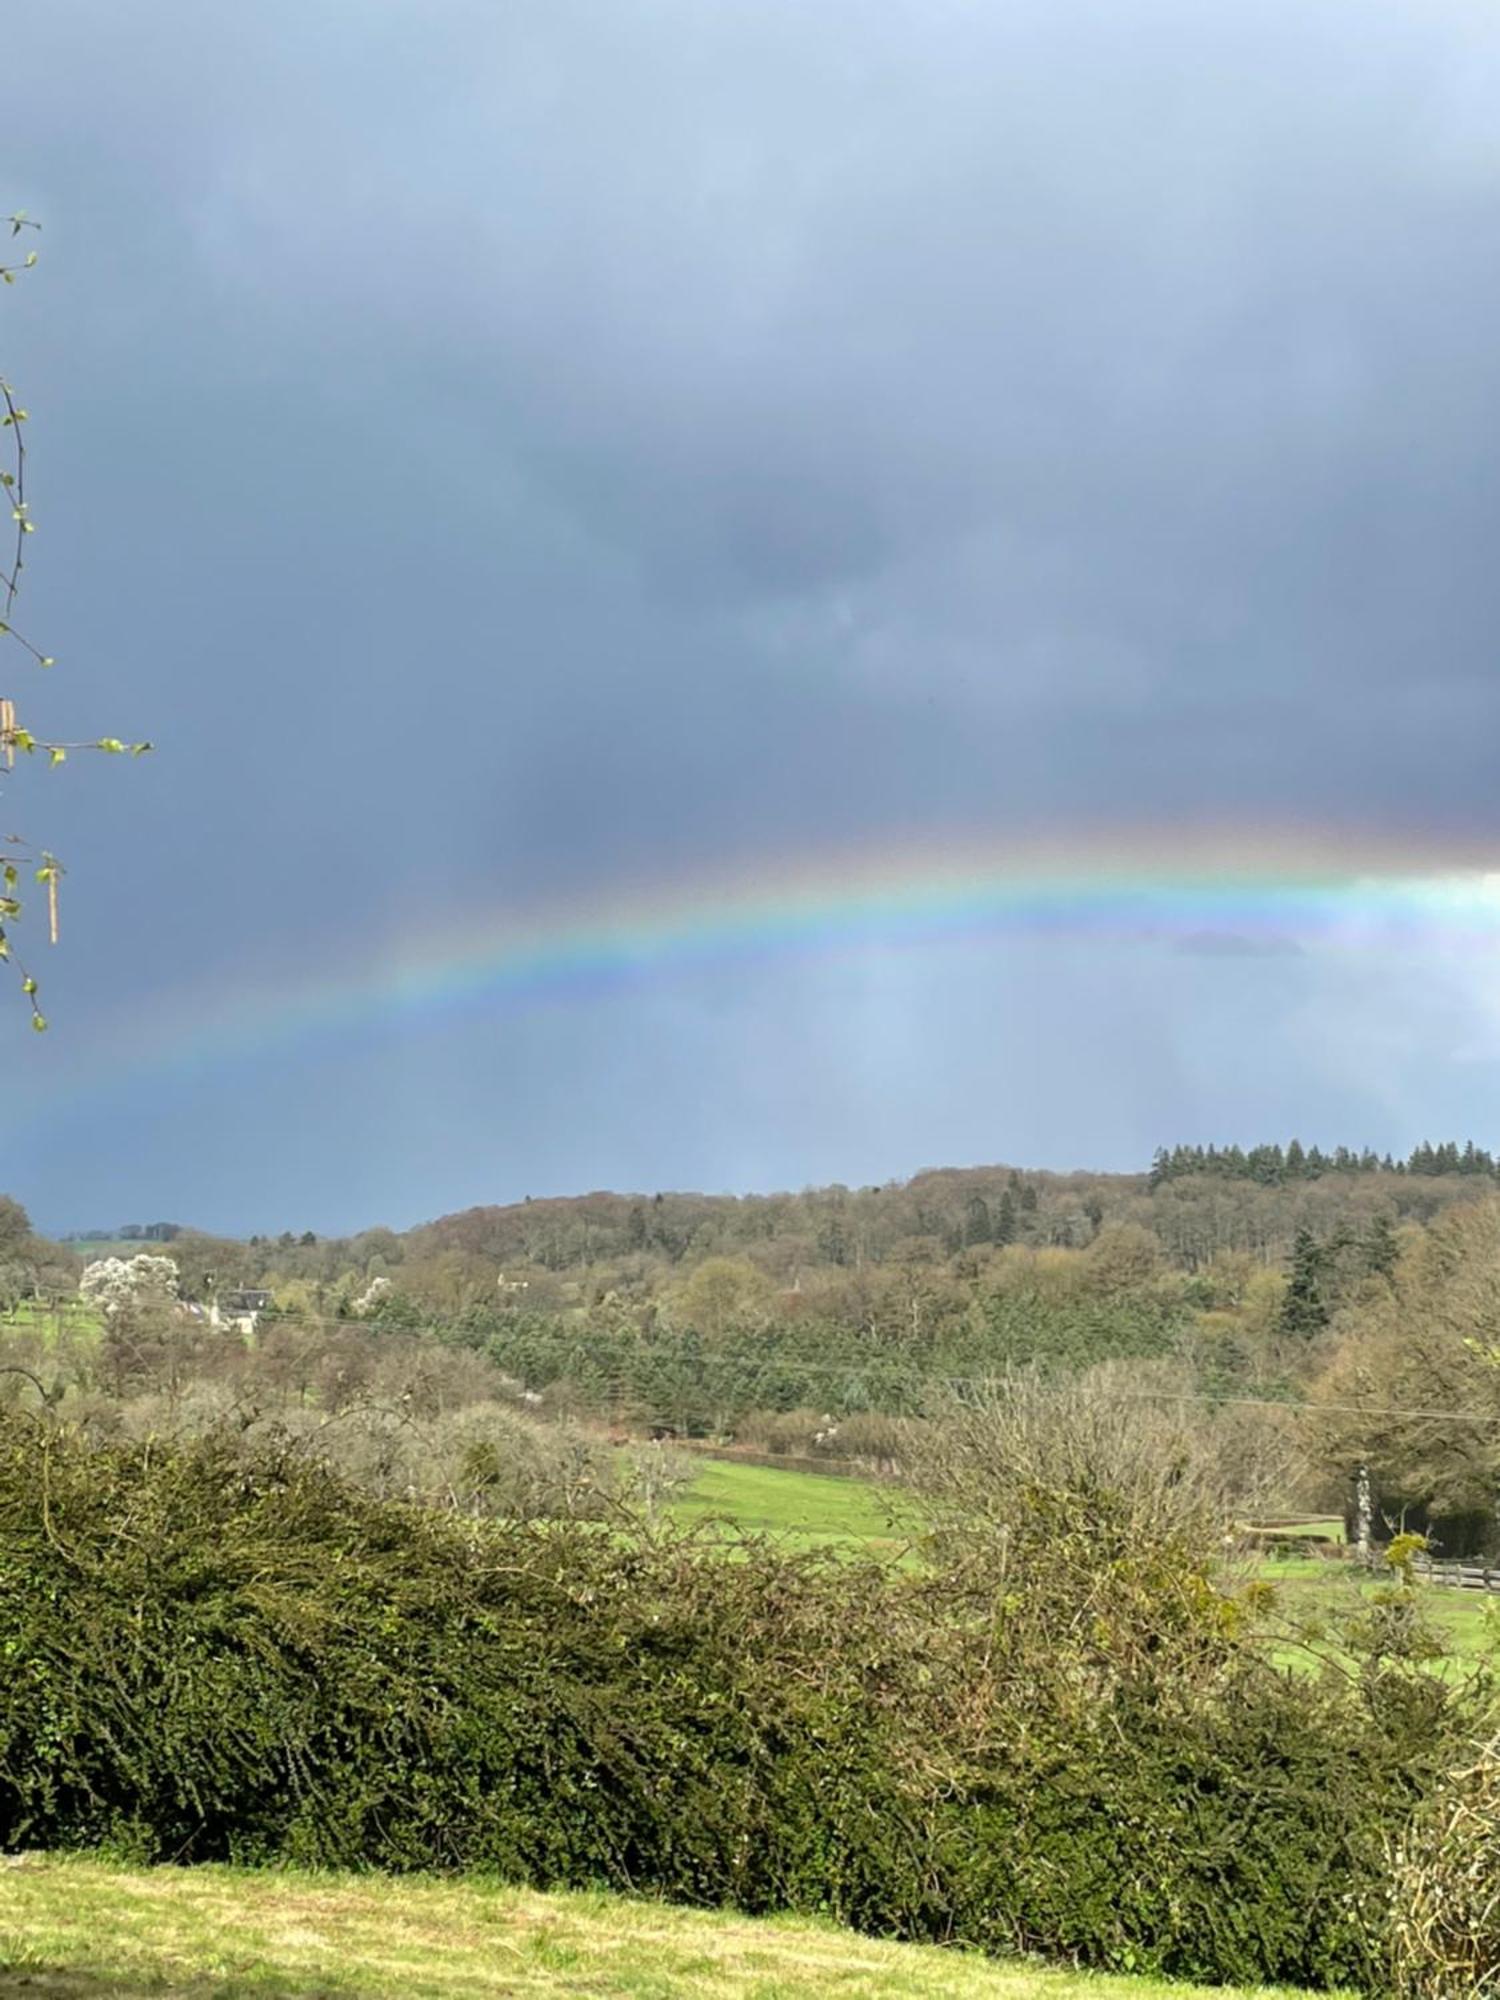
72	1929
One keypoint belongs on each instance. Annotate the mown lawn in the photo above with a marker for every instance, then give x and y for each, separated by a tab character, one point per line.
79	1930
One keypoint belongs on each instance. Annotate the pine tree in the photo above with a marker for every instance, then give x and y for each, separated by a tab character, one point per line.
1304	1311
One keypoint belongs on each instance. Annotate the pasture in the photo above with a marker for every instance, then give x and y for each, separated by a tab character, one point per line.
806	1509
1314	1593
52	1318
81	1930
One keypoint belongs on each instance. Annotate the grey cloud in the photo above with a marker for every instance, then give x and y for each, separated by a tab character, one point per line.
506	450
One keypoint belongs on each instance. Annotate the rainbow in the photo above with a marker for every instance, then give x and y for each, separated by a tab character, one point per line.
1180	887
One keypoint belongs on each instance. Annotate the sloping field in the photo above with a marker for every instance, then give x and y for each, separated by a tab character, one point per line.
809	1509
77	1930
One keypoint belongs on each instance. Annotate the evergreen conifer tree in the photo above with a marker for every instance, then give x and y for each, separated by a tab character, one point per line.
1304	1311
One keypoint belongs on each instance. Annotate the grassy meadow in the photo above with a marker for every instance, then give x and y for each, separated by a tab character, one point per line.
806	1509
52	1318
81	1930
1312	1592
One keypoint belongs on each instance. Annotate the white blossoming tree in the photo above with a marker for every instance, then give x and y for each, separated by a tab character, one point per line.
369	1299
121	1286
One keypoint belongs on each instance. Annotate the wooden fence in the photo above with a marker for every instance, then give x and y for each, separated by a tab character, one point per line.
1461	1575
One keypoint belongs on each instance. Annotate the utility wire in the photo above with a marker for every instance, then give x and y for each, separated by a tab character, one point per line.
622	1350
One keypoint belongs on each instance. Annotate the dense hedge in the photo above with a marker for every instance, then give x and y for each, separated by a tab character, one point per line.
208	1656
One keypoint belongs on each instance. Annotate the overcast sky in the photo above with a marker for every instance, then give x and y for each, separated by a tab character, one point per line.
508	453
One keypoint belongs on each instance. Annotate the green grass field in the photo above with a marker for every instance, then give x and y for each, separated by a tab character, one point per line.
1311	1591
806	1509
79	1930
66	1316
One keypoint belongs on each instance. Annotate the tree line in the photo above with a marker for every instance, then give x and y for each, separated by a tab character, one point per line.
1276	1165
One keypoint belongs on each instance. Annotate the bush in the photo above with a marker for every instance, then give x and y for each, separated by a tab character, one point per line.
213	1652
1239	1839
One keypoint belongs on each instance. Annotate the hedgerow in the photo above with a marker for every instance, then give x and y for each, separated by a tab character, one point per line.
214	1654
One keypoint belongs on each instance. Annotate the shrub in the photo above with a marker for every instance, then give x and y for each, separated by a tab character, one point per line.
213	1651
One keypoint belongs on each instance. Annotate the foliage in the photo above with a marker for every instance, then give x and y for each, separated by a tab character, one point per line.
1304	1311
398	1417
1274	1166
720	1316
220	1654
1412	1390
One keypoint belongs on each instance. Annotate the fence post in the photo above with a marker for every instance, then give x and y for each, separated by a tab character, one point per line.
1364	1512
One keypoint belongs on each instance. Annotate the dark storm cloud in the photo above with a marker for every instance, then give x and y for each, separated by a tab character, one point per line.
1004	411
1115	380
504	448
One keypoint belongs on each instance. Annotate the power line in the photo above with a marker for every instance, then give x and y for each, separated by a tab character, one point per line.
623	1352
